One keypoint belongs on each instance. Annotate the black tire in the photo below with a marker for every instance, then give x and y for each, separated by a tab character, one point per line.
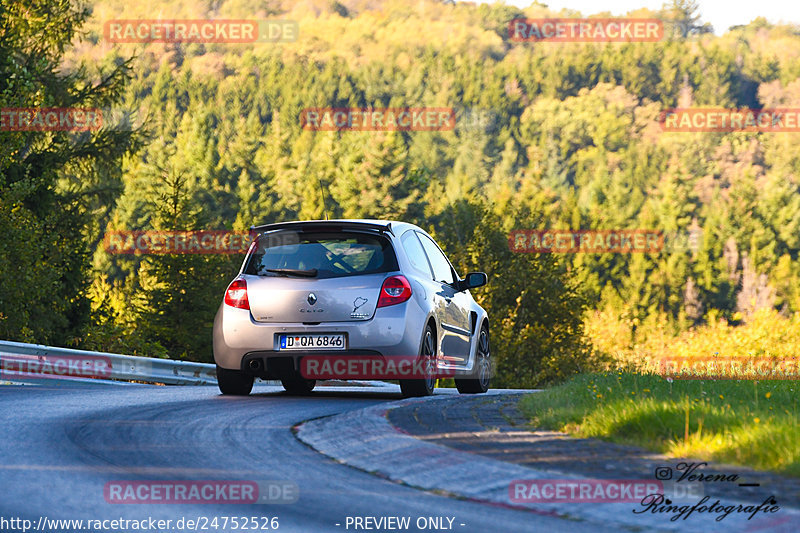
298	385
423	387
483	368
234	382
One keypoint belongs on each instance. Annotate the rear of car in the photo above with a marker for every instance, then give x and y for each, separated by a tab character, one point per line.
347	289
315	289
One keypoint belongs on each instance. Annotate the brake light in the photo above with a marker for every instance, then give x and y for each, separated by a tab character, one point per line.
395	290
236	295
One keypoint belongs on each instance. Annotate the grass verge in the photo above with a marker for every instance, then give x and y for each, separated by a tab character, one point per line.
752	423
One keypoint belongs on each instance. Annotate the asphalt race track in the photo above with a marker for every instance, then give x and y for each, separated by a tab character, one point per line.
62	445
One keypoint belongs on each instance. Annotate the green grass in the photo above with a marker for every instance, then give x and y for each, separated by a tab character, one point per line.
739	422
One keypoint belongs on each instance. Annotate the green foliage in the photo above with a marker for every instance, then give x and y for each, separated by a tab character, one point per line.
535	307
176	296
113	327
53	185
562	136
735	422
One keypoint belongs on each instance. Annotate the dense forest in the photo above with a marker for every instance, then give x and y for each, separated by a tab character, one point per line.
547	135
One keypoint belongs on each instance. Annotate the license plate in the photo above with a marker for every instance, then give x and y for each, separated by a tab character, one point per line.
312	342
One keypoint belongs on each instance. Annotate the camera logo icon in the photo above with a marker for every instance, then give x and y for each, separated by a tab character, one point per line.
663	473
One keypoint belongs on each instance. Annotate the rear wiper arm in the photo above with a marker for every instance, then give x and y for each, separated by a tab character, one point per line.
294	272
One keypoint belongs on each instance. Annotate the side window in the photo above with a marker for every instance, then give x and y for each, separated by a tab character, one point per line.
441	268
415	253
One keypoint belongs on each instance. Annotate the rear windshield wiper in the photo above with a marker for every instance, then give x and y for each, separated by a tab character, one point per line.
293	272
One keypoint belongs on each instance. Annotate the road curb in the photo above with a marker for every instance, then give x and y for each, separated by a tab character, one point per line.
366	440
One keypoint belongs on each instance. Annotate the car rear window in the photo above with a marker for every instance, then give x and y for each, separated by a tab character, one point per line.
333	255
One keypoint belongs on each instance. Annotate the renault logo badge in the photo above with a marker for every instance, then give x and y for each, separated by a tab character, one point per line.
312	298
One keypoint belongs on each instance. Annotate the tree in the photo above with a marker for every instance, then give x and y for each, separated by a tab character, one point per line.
52	183
179	294
683	14
535	320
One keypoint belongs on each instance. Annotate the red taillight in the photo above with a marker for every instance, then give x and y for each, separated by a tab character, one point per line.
395	290
236	295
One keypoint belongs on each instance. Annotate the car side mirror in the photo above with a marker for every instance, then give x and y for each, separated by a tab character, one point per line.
472	280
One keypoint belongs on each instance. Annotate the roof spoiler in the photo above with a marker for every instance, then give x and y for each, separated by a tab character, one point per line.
331	225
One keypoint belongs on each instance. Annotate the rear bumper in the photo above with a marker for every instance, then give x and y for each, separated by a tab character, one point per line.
275	365
395	330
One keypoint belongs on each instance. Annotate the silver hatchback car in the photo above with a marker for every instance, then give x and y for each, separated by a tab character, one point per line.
345	289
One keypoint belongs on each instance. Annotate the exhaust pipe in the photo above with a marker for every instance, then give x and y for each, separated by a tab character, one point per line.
255	364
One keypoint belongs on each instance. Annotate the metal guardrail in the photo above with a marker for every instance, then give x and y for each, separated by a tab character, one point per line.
20	356
21	361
